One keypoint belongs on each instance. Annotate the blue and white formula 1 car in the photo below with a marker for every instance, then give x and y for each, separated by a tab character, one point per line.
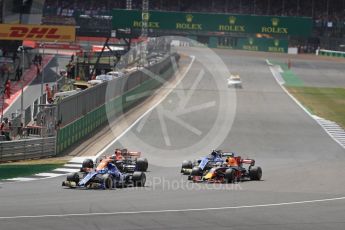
204	163
105	176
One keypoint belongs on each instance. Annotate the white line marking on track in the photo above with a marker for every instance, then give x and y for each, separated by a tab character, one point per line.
49	174
76	160
175	210
340	135
333	127
65	170
21	179
72	165
333	130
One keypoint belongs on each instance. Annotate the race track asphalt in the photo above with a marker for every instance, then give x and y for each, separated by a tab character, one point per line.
303	186
320	73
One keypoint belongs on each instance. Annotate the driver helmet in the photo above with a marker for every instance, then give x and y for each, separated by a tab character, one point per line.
117	151
118	154
88	163
219	151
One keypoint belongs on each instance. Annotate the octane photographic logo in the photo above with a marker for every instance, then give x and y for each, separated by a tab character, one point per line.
168	184
187	116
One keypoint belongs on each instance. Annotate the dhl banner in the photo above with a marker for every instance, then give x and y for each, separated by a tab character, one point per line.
49	33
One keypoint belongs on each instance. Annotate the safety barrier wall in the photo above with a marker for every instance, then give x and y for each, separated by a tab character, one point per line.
82	113
332	53
27	149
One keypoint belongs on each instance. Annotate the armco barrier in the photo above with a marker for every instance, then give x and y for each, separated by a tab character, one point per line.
27	149
332	53
75	128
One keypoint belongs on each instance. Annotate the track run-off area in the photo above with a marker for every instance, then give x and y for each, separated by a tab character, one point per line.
303	186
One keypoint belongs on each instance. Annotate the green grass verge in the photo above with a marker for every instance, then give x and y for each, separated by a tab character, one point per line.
328	103
19	170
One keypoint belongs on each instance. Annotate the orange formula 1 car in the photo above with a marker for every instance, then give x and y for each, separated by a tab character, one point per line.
129	161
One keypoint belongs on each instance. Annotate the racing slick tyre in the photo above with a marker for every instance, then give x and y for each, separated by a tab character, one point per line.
139	179
255	173
196	171
230	175
74	177
108	181
186	165
142	164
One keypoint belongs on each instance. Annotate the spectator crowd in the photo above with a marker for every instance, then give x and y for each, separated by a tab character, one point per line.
328	15
333	10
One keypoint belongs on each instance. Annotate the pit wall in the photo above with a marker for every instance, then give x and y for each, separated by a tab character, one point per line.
76	123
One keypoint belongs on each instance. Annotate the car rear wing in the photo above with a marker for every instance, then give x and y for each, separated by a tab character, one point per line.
228	154
131	154
248	161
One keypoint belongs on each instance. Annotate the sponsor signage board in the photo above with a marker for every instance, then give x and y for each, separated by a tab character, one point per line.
49	33
249	24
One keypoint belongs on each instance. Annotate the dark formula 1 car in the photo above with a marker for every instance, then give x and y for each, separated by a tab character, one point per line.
231	171
106	176
205	163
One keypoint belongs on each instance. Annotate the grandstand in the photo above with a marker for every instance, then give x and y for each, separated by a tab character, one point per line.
328	10
312	8
328	15
94	17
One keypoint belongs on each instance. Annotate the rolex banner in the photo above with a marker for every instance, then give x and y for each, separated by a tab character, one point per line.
263	44
248	24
